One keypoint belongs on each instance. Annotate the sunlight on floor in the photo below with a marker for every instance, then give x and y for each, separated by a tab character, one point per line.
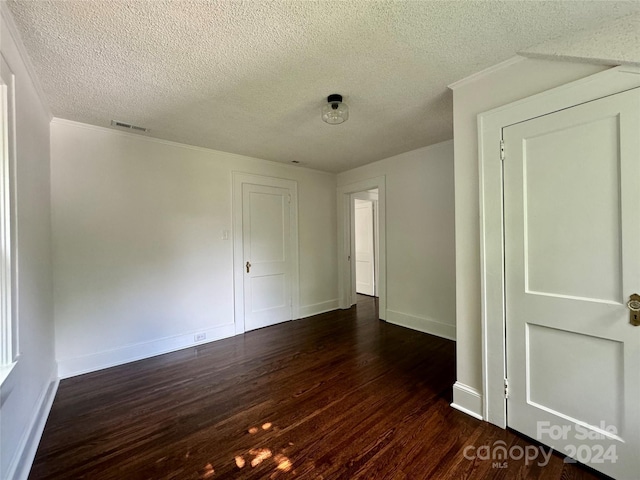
208	471
284	463
261	454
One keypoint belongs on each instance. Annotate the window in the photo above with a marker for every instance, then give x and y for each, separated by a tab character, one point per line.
8	324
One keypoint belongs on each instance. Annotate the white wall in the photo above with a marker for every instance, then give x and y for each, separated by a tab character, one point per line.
420	236
26	394
139	259
476	95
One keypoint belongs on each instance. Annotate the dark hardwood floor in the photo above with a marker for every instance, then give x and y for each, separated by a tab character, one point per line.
336	396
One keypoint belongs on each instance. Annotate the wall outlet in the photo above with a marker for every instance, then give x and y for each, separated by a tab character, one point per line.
199	337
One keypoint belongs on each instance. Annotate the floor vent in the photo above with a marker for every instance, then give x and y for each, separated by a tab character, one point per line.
128	126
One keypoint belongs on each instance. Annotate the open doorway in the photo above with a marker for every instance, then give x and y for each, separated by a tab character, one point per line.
346	244
365	241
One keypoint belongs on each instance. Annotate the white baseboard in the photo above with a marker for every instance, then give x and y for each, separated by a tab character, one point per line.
70	367
467	400
25	453
421	324
318	308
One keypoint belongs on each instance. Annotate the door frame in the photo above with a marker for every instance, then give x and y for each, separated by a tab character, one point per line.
490	125
345	235
239	179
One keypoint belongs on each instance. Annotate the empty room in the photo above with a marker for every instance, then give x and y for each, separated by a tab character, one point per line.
319	239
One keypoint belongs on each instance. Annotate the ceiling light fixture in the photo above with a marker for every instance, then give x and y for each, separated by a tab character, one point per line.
335	112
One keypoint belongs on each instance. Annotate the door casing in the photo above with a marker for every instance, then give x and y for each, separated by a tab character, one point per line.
490	125
345	234
239	179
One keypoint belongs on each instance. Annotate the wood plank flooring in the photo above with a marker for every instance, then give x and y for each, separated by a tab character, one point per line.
336	396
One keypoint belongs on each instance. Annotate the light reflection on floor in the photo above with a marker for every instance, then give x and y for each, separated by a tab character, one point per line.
256	456
208	471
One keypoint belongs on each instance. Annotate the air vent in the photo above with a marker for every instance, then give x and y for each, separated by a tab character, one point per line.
128	126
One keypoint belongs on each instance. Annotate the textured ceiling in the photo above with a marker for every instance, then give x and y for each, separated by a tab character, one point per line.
250	77
617	41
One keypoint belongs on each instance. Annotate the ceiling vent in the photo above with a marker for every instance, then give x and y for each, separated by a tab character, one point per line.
128	126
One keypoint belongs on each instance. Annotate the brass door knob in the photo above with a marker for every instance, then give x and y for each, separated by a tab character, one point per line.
634	309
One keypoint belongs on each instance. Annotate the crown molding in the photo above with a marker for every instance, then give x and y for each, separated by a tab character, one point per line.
486	72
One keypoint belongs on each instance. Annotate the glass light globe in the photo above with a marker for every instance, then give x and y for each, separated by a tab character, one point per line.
335	112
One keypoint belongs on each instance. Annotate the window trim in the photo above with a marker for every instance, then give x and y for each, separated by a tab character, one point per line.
8	319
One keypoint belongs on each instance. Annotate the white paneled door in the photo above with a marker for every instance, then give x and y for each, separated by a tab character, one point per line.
365	251
572	261
266	232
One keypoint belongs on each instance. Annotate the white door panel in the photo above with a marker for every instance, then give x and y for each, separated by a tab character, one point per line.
572	259
266	232
364	243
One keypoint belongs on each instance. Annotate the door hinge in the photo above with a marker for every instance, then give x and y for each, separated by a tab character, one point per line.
289	198
502	150
506	388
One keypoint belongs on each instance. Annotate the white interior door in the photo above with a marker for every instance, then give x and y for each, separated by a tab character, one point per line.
365	247
266	236
572	259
